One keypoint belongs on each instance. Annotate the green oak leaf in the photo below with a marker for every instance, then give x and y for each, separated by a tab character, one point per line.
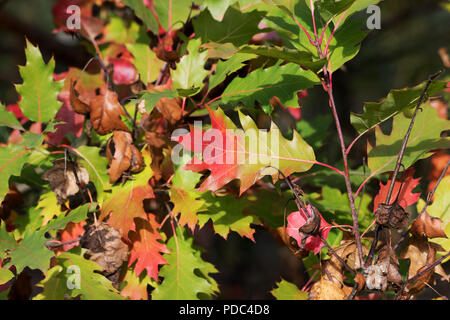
187	275
301	58
346	42
96	167
184	196
189	74
226	214
270	206
117	31
425	136
334	205
7	241
331	8
178	11
48	203
225	68
14	156
93	285
39	92
397	101
31	250
218	7
76	215
143	13
440	208
262	84
236	27
146	62
5	275
152	98
314	132
8	119
288	291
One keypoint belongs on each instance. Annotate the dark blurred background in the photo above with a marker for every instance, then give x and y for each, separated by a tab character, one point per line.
403	53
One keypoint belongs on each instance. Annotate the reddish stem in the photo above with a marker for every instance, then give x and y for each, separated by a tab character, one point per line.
334	30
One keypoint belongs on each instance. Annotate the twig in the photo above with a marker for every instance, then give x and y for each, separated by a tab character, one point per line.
352	294
421	273
331	250
373	246
288	181
431	194
408	132
55	243
327	84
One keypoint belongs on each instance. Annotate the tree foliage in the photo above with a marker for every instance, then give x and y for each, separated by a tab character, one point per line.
121	170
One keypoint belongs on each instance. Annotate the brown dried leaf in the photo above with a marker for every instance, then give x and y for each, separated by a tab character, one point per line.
62	178
76	101
170	109
91	27
348	252
427	226
106	248
388	258
421	254
326	290
105	113
122	155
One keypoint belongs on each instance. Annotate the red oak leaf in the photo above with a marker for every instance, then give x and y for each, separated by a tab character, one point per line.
17	112
146	248
124	71
71	232
406	196
73	122
222	171
125	206
296	220
229	155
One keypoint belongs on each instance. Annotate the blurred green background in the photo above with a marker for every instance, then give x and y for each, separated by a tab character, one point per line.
402	53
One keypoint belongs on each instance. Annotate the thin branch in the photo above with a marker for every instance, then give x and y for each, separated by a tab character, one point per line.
428	268
55	243
408	132
373	246
431	194
331	250
352	294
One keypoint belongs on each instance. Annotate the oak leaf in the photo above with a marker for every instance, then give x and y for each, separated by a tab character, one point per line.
126	201
122	155
406	196
63	180
297	220
106	112
146	249
229	155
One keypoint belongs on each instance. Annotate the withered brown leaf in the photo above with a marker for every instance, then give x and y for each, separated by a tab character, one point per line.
62	178
106	248
76	101
421	254
106	112
427	226
122	155
326	290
